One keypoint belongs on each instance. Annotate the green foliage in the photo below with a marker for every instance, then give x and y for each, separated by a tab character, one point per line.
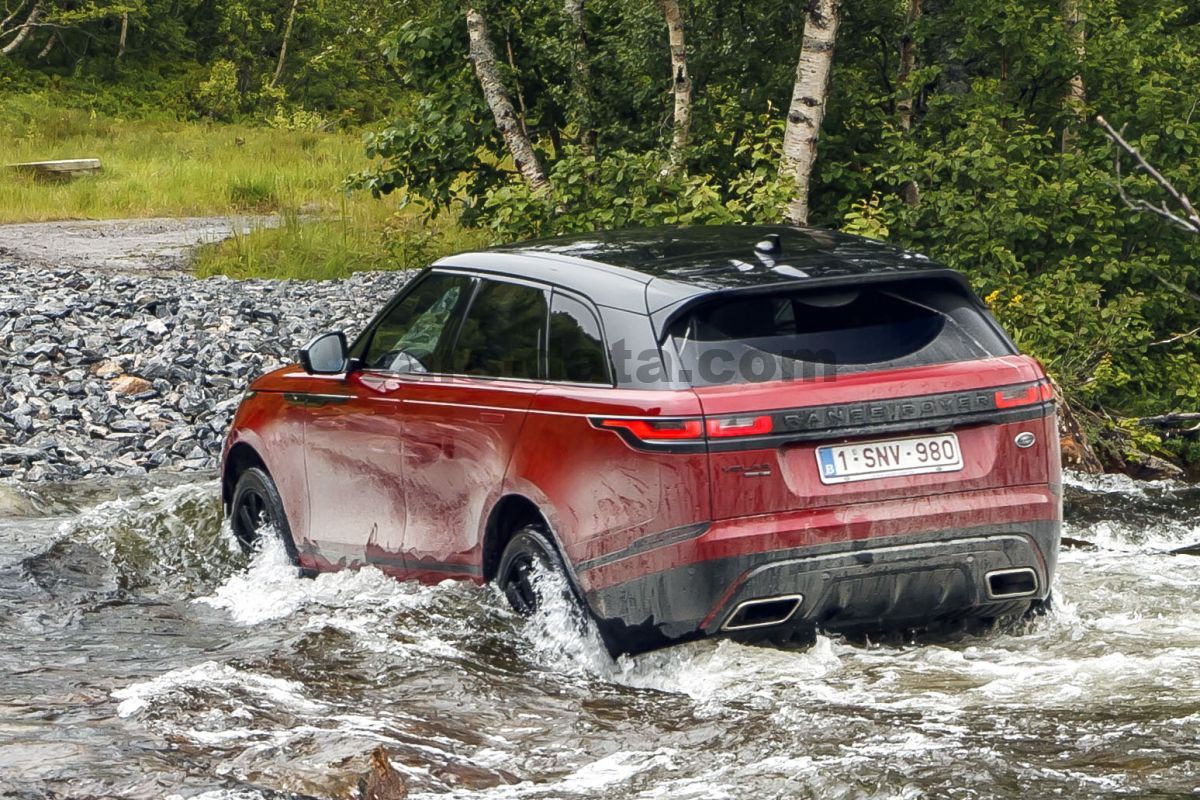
999	176
218	96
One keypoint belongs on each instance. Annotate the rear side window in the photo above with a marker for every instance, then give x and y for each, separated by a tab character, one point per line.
820	333
576	349
412	334
503	334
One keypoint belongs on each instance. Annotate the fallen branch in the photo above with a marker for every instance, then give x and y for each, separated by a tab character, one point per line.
1176	338
1189	221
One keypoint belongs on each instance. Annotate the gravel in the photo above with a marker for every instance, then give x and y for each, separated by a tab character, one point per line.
108	374
120	245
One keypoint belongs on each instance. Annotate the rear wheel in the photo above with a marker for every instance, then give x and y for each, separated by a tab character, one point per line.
528	560
256	510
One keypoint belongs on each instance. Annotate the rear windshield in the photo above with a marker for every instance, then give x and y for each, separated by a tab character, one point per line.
822	333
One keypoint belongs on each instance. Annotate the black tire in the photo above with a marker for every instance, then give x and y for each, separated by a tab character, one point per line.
528	547
256	507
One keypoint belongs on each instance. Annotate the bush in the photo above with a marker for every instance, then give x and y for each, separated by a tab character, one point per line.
219	97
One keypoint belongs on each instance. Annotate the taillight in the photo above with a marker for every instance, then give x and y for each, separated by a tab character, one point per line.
1024	395
739	426
657	429
654	429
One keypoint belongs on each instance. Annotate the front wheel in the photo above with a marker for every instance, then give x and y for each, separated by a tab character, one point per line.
256	511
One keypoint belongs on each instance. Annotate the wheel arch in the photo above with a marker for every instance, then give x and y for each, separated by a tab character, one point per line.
511	513
240	458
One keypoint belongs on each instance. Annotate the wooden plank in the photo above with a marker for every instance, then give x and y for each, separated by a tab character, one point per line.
63	170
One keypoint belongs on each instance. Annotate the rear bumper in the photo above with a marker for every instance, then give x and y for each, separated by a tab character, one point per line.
877	567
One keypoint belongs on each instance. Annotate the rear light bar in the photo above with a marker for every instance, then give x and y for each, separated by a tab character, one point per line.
657	429
654	429
1039	392
720	427
694	432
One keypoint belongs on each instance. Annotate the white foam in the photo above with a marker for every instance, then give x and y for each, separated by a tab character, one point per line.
137	697
272	588
1116	482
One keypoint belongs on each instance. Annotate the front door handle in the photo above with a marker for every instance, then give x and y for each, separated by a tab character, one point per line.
311	399
491	417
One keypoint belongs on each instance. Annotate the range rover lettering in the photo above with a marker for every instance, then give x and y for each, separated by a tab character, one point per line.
756	432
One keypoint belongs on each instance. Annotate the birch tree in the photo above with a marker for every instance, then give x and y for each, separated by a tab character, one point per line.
1076	100
908	62
910	192
283	47
483	56
581	90
121	41
681	82
22	31
807	109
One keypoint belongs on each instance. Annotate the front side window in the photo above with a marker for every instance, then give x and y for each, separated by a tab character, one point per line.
411	336
503	334
576	349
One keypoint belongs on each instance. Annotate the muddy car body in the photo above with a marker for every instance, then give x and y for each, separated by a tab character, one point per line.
747	431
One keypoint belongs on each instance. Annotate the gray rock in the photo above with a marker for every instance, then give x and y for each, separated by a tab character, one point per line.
198	342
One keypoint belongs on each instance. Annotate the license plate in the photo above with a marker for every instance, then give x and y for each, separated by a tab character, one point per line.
887	459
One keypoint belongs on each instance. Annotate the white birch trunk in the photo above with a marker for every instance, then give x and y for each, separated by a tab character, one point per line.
45	51
808	104
283	48
484	58
1076	100
908	62
681	81
4	23
23	32
124	35
582	89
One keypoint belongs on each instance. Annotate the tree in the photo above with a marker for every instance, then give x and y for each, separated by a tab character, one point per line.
808	104
1076	100
483	56
283	47
908	62
681	82
581	79
22	30
121	41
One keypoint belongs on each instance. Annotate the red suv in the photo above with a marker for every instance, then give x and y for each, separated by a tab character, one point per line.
746	431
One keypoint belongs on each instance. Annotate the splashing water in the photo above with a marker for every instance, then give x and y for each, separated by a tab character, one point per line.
144	656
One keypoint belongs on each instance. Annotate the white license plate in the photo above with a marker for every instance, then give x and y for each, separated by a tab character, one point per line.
867	460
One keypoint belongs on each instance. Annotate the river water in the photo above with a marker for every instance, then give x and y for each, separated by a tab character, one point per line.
141	656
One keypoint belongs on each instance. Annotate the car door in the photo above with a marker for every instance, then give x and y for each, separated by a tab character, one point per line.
355	430
461	426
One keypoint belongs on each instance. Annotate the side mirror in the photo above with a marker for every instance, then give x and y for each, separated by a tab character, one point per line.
325	355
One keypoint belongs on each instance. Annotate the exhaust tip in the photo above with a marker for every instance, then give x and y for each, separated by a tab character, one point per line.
1006	584
762	612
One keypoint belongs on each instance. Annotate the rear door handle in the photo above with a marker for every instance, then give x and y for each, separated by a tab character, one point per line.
492	417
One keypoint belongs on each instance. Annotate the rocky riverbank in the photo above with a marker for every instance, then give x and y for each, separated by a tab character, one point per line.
104	374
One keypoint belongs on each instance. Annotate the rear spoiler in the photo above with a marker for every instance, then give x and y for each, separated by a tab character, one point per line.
664	316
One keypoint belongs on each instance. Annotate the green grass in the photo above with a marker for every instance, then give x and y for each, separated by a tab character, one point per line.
362	236
165	167
170	168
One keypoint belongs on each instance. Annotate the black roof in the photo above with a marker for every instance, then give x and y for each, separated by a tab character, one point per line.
675	264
